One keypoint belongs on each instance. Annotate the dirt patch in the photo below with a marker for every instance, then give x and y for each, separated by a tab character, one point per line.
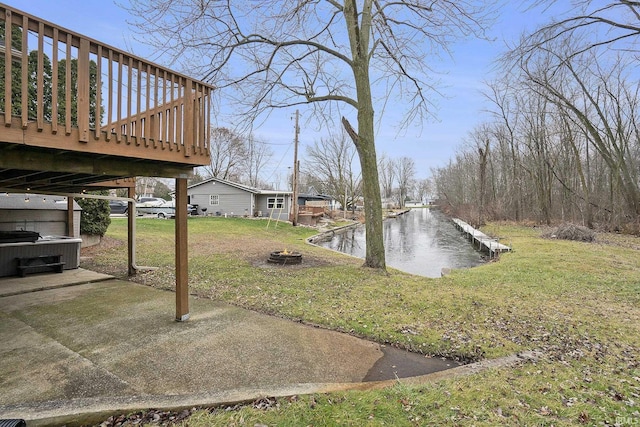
106	243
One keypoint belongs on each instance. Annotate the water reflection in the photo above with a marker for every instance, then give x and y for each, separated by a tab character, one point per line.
422	241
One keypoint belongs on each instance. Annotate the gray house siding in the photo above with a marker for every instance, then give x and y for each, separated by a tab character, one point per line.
236	200
231	200
275	213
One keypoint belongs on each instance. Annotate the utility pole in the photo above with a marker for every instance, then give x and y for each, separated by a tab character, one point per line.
294	202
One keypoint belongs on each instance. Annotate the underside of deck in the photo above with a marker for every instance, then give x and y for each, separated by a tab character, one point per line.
31	162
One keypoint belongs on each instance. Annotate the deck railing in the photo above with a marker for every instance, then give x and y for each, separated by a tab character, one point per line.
55	81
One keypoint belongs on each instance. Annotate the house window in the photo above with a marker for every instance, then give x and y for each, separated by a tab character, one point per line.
275	203
214	199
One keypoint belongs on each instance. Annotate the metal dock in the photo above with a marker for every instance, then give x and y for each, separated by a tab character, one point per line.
481	240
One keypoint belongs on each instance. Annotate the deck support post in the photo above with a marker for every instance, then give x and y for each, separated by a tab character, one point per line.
131	218
182	259
71	227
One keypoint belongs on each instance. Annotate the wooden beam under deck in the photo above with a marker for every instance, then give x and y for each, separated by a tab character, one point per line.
103	167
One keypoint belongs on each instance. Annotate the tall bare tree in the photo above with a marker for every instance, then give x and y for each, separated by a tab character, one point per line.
387	169
329	54
228	152
329	163
424	190
406	174
258	155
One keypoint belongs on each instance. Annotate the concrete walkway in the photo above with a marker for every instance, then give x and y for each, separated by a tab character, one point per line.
77	345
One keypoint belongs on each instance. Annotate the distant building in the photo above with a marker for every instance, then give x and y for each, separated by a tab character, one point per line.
312	198
219	197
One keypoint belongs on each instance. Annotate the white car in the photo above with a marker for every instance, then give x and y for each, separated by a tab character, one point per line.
166	209
150	202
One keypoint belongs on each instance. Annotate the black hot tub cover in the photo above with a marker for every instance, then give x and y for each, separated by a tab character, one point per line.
18	236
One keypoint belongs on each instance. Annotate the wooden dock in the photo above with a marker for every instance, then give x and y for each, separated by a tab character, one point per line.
481	240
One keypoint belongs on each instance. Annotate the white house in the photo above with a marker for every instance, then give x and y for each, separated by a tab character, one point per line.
219	197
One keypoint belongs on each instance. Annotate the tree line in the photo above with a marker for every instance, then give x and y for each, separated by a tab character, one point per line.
562	143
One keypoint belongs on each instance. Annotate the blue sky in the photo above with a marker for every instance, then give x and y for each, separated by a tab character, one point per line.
430	144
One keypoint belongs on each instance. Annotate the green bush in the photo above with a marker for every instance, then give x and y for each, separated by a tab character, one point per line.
95	214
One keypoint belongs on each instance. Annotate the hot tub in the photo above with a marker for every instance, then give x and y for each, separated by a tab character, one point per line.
68	247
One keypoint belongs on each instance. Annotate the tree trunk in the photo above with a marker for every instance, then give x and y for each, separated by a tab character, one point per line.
364	139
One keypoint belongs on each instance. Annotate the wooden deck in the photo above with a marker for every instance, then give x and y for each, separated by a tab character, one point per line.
481	240
77	115
74	111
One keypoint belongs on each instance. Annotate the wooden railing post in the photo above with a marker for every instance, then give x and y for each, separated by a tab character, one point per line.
189	118
25	72
8	105
84	105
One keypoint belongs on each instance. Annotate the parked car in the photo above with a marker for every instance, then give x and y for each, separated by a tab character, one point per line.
150	202
118	206
163	210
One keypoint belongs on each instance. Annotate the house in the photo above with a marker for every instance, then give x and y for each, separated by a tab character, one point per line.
219	197
46	215
313	198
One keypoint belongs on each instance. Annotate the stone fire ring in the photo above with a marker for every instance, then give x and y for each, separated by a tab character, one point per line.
285	258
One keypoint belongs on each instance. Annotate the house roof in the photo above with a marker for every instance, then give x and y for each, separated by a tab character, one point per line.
12	201
239	186
316	196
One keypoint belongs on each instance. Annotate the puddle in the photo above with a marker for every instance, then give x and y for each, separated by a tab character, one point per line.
396	363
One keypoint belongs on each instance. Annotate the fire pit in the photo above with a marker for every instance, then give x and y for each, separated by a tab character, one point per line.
285	257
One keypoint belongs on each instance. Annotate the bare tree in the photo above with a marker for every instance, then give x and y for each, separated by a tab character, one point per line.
424	190
504	96
328	54
145	186
330	165
564	144
592	23
406	173
258	154
228	152
483	145
387	169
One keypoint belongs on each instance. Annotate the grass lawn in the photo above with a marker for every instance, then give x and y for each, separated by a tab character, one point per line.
577	303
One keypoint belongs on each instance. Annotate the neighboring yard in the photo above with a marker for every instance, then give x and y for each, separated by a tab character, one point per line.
578	303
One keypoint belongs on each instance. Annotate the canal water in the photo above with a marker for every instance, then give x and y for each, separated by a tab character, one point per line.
422	241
